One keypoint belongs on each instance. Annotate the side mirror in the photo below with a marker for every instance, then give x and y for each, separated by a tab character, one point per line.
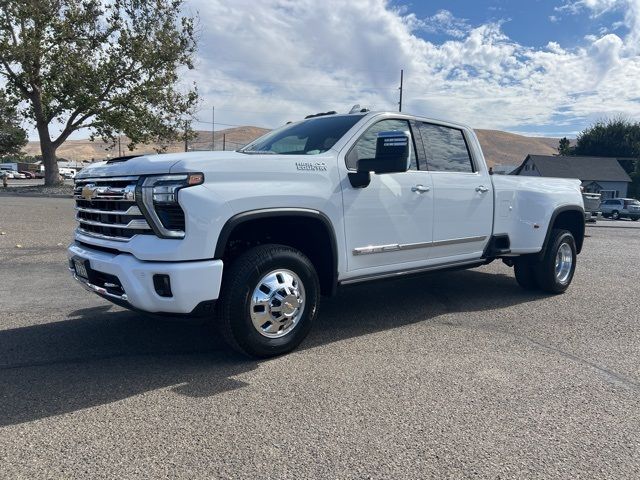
393	151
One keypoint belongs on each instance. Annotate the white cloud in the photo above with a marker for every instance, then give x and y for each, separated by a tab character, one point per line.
597	8
444	22
276	60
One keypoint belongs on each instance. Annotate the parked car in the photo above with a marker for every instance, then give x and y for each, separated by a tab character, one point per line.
17	175
27	174
616	208
328	201
8	174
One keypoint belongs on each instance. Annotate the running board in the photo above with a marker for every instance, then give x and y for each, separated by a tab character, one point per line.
401	273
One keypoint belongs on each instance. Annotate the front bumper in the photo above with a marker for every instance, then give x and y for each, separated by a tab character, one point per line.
193	283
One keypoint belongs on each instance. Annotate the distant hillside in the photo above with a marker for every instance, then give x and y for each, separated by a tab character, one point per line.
504	148
500	148
79	150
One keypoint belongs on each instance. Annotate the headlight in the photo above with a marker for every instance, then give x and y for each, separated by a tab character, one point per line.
159	202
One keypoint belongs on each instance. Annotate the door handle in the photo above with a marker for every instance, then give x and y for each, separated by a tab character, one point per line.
420	189
482	189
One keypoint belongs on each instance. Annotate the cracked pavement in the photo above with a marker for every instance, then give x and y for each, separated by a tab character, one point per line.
457	375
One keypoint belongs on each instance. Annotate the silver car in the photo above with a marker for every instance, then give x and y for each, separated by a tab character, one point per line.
616	208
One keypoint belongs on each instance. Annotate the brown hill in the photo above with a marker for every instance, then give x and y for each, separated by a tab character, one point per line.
500	148
504	148
86	150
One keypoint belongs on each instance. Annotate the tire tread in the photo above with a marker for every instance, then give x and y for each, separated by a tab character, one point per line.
235	280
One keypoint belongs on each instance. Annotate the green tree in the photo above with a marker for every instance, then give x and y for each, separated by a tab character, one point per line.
564	146
617	137
111	66
12	135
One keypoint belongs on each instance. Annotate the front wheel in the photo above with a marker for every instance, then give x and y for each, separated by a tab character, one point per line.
268	302
615	215
555	271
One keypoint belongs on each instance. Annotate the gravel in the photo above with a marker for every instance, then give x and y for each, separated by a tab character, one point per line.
451	375
39	191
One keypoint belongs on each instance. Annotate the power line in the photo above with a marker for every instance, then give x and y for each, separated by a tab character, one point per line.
315	85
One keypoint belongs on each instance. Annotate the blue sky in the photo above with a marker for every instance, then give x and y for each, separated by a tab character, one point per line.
545	67
537	67
529	22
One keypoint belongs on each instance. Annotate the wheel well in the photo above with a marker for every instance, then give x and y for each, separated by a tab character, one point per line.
312	234
572	220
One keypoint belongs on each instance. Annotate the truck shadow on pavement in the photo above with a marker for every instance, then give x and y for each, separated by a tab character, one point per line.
102	355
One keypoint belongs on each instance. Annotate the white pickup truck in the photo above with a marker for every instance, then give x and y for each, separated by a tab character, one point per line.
252	238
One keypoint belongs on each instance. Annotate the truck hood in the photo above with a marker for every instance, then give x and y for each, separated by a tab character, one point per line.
144	165
206	162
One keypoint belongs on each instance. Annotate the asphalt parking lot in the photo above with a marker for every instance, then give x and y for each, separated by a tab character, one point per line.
452	375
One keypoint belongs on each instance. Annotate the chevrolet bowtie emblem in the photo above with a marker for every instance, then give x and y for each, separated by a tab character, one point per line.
88	191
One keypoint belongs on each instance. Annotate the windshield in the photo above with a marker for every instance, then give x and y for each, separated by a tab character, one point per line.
309	137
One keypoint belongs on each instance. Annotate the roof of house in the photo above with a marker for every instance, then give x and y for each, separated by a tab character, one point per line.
605	169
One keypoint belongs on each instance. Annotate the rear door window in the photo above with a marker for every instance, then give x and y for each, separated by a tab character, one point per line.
446	149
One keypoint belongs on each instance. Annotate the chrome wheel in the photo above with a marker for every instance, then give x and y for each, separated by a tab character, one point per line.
277	303
564	263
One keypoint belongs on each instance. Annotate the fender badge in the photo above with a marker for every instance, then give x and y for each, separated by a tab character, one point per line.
311	167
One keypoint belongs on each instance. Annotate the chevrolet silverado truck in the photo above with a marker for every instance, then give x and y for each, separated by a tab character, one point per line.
253	238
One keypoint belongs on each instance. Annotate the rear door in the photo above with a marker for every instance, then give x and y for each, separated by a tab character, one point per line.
462	193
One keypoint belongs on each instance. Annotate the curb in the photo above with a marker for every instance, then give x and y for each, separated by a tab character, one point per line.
620	227
35	195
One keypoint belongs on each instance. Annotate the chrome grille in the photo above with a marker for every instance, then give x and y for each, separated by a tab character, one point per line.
106	208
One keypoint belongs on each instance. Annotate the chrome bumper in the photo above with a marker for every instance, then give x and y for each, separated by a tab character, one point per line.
90	287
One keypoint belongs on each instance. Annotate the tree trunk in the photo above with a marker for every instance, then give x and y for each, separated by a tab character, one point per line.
48	149
51	172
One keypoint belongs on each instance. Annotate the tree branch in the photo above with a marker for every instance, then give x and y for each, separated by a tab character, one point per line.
9	73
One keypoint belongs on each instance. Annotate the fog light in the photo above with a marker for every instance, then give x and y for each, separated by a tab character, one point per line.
162	284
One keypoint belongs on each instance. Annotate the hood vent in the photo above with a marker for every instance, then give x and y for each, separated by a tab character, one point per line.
122	159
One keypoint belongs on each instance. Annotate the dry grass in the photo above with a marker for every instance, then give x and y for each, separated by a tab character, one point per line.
499	147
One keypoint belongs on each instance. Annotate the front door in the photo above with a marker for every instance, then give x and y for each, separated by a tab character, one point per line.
389	221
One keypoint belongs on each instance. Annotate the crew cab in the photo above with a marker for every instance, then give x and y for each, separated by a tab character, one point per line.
253	238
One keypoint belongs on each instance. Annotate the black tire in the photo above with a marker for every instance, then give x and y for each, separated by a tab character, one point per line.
234	305
545	270
615	215
525	274
635	219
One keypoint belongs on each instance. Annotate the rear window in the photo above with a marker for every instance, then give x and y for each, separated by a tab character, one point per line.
631	202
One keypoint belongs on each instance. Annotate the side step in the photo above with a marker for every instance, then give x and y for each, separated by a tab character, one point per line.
499	245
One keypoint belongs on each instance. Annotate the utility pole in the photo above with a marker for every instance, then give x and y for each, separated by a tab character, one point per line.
213	128
224	141
119	146
401	79
186	139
